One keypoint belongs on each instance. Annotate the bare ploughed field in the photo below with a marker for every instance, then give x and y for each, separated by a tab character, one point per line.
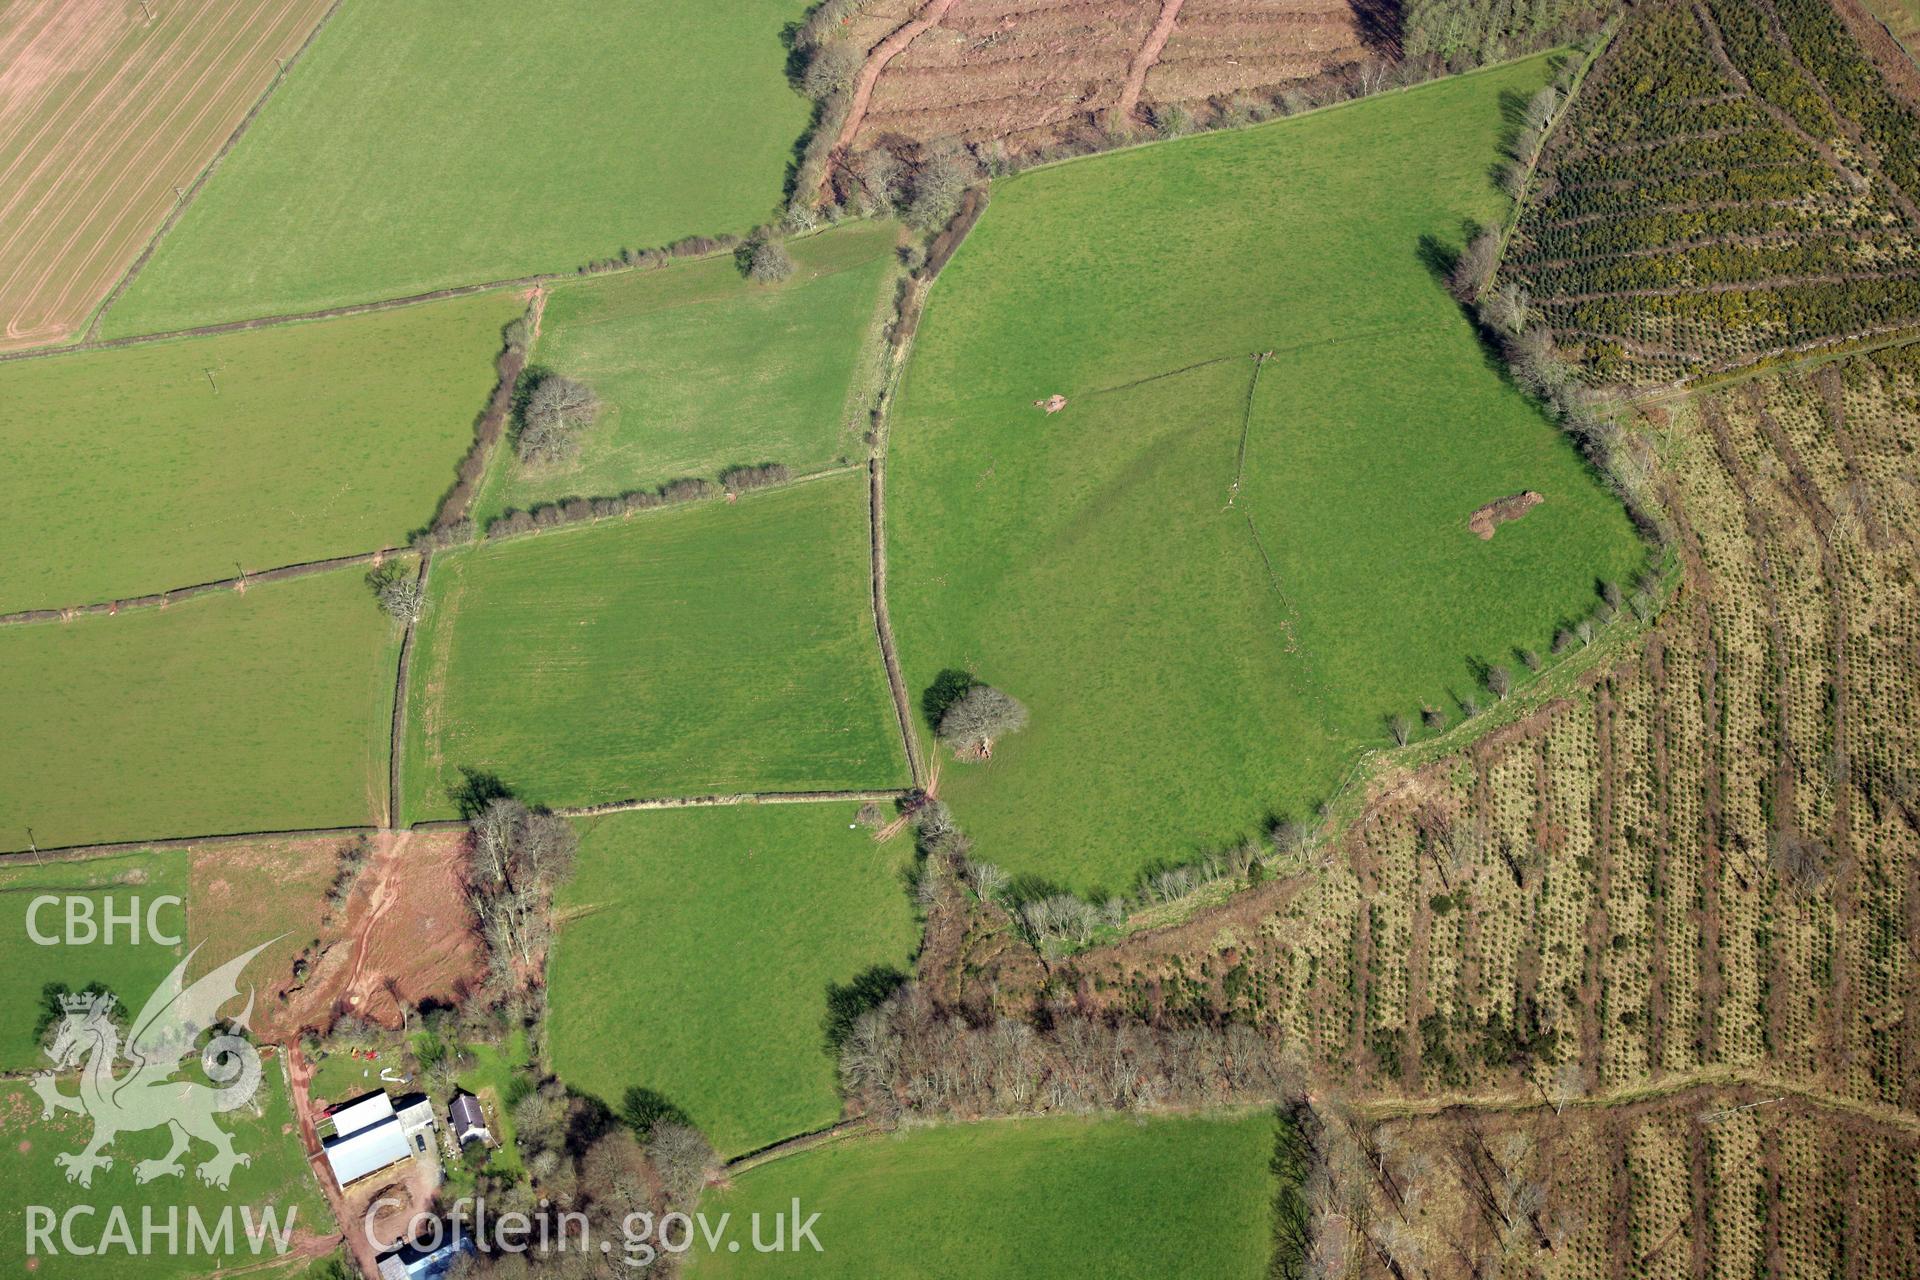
1027	71
106	114
405	935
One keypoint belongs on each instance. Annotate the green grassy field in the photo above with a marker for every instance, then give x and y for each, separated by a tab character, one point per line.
258	711
135	470
441	142
124	883
1061	1197
696	953
277	1180
700	370
720	647
1200	654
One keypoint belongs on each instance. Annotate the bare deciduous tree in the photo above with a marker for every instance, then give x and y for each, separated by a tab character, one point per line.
398	592
1804	865
1499	682
1400	729
519	856
1475	265
683	1158
767	261
1542	107
937	187
978	716
830	68
556	412
1571	1081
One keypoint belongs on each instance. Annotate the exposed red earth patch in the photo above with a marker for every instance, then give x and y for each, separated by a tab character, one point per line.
407	938
404	937
1496	513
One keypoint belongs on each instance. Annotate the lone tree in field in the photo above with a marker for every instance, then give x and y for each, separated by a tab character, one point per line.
398	592
1399	729
557	411
768	262
977	717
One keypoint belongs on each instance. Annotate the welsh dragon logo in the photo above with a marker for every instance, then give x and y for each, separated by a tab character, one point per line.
147	1096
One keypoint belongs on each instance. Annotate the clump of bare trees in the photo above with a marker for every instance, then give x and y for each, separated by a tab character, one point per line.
346	875
936	187
765	260
551	515
1804	864
1473	269
977	717
519	855
557	411
684	1159
740	479
580	1160
909	1058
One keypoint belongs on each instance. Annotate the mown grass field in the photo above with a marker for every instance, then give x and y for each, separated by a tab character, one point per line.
1069	1196
161	465
1199	654
124	883
438	142
263	710
696	953
700	370
277	1180
719	647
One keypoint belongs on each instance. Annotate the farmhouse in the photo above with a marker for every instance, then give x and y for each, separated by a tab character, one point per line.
466	1121
370	1134
410	1263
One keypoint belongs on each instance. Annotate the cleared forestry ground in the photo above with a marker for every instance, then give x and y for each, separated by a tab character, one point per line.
276	1180
696	952
1211	588
108	110
129	884
698	369
442	142
262	710
1024	74
720	647
166	464
1063	1196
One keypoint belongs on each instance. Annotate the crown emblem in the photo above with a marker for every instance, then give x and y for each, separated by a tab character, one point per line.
84	1001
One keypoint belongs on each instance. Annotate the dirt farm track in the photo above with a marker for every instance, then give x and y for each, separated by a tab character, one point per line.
109	113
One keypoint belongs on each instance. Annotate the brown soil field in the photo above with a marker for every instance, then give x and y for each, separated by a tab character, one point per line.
1027	71
107	114
405	936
